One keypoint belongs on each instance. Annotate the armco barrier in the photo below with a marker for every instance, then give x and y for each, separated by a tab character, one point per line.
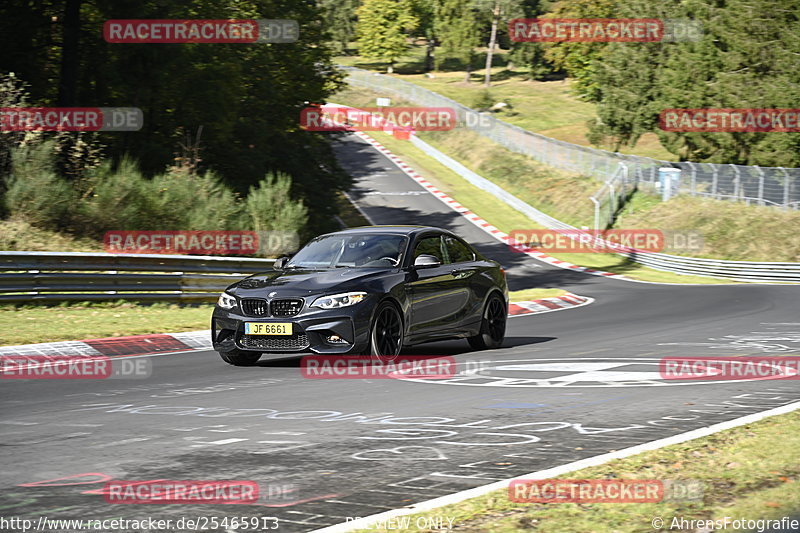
77	276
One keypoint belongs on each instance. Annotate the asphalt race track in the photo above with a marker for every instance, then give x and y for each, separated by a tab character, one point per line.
567	385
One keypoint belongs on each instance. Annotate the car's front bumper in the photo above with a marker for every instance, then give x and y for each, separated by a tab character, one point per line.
312	330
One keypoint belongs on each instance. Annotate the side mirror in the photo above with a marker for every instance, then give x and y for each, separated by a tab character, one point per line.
426	261
280	262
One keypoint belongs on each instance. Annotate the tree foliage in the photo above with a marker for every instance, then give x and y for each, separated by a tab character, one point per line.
579	59
456	27
339	17
382	29
247	98
748	57
531	55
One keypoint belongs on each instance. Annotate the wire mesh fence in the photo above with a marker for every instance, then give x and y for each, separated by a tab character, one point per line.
768	186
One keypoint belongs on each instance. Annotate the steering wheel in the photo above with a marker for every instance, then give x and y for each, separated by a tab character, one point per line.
390	259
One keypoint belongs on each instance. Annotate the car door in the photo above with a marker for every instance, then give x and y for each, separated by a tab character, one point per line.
460	260
435	293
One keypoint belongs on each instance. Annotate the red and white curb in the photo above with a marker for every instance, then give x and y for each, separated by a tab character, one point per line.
201	340
118	346
475	219
547	305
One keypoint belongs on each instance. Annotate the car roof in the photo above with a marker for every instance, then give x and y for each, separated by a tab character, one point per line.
401	230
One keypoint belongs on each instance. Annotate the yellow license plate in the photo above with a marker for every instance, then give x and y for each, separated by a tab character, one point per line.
267	328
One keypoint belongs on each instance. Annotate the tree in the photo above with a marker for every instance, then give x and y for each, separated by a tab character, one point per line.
747	58
579	59
424	13
339	17
456	25
382	27
247	98
499	11
68	80
531	55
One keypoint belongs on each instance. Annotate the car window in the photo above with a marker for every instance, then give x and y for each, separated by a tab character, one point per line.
351	251
457	251
429	245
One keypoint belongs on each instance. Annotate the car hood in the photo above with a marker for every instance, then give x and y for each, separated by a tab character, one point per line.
304	282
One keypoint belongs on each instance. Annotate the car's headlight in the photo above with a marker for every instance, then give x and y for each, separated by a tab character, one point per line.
336	301
226	301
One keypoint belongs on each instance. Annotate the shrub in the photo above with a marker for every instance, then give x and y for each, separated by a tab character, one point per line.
36	194
483	101
120	199
204	203
271	207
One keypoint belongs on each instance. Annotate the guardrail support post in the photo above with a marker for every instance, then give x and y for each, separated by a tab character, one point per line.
714	180
693	187
737	183
786	189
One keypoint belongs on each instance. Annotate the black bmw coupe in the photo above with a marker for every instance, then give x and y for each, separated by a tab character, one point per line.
369	290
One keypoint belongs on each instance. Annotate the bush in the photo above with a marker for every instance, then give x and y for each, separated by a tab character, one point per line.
483	101
122	198
36	194
205	203
270	206
126	200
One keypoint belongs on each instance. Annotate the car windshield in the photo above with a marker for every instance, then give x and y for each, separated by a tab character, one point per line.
350	251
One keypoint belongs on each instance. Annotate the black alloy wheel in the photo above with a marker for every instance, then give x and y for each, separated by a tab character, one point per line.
493	325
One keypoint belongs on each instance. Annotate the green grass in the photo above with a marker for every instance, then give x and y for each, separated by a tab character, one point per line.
748	472
505	218
17	235
546	107
730	230
535	294
30	324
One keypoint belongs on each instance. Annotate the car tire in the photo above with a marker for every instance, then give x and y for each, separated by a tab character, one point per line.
240	358
493	325
386	333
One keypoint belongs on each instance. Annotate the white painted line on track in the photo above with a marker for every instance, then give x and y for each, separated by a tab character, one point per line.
359	209
434	503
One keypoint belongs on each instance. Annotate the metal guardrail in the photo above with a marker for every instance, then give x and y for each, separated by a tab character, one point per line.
768	186
716	268
77	276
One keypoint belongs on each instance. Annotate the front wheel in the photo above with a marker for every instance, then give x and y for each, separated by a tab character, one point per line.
493	325
240	358
386	334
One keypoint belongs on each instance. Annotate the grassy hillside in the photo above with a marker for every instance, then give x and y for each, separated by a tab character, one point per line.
546	107
730	230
